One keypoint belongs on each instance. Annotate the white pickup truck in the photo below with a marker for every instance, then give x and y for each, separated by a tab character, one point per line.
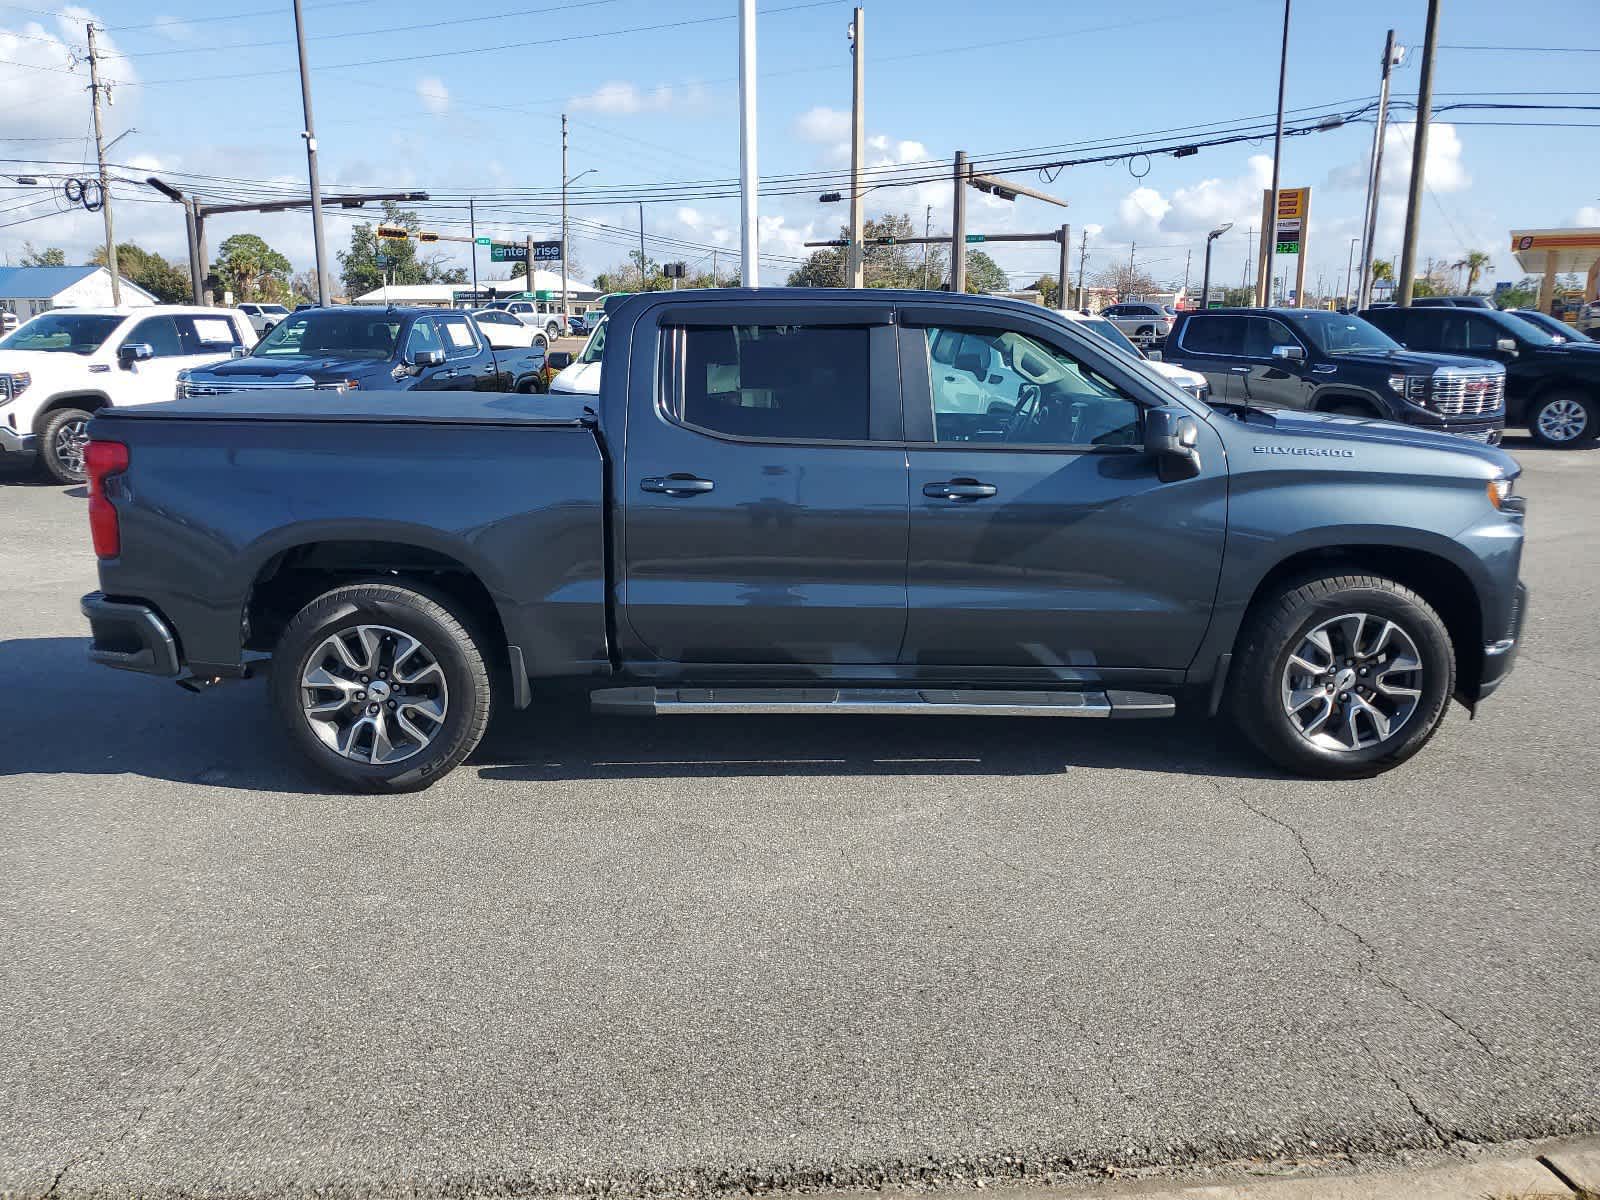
60	367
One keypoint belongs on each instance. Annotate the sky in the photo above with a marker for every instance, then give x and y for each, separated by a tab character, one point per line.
466	99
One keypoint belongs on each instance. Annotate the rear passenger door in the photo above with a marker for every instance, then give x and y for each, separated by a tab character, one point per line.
764	487
1213	344
469	363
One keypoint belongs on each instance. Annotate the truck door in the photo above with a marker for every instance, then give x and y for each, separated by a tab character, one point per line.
154	378
1213	344
469	363
764	486
1270	379
1040	534
441	377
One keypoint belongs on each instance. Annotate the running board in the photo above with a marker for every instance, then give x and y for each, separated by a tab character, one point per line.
935	702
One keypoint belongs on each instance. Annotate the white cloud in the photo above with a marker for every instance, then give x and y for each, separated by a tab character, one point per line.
1588	215
434	95
621	98
822	125
173	28
1444	171
40	96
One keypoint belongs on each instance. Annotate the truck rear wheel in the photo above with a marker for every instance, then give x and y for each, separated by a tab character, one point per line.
62	439
1341	676
381	687
1563	419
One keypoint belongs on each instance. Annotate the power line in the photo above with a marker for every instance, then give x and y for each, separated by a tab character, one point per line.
1528	49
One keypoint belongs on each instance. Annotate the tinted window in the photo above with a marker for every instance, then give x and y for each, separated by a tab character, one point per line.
808	383
459	340
207	335
423	336
1263	333
1012	388
66	333
160	334
315	333
1482	333
1214	335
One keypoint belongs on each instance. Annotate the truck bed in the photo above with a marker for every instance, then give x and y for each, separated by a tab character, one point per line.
421	407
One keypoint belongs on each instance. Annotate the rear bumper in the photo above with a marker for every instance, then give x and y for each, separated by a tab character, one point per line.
1500	656
130	636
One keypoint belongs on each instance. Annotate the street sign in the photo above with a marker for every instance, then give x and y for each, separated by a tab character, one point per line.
518	252
383	260
977	237
1503	285
394	233
484	241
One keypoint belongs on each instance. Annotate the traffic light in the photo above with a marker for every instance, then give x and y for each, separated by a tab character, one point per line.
427	237
394	233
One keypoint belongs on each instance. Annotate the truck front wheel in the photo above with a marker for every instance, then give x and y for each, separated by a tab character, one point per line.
381	687
62	439
1341	676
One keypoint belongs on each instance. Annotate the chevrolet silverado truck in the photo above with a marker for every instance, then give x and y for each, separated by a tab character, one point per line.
809	502
362	348
63	366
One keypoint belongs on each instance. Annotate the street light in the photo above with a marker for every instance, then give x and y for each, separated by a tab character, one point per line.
566	315
1205	284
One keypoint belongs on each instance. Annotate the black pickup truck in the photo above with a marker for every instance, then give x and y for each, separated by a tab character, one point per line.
367	347
799	501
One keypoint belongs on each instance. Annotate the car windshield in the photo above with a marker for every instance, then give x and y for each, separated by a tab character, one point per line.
1525	330
275	309
325	333
1554	326
596	345
63	333
1111	334
1337	333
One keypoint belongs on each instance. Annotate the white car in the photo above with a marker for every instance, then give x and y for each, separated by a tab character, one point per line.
1146	322
263	316
582	378
59	368
1192	382
507	332
8	321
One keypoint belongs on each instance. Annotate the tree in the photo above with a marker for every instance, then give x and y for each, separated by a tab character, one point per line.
1383	270
166	281
303	288
51	256
1524	294
985	275
1126	281
1476	262
1048	288
252	270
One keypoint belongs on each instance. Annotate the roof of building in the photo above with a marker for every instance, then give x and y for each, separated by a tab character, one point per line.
43	283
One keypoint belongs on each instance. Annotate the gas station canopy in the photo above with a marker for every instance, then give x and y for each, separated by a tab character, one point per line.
1551	252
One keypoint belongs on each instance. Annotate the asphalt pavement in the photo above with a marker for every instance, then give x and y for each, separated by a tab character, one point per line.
708	954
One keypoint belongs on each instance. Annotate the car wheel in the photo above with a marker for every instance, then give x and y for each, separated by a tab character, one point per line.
1145	337
1341	676
552	331
1563	419
541	342
381	687
62	440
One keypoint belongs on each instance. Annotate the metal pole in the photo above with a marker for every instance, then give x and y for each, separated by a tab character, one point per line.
749	203
527	248
472	226
1369	224
1083	256
310	134
1419	159
100	155
641	248
856	254
201	253
927	232
1066	264
1205	276
197	269
1269	229
1249	253
714	282
1188	256
564	317
1349	266
958	229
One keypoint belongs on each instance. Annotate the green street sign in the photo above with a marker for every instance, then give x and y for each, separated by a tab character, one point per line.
542	294
1288	247
484	241
976	237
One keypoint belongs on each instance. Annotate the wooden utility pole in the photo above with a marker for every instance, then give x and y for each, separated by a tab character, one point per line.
100	154
856	255
1419	160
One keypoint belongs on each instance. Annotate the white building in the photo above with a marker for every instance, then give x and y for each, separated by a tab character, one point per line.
546	287
29	291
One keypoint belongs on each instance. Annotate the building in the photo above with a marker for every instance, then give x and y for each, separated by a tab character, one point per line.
1551	252
29	291
546	289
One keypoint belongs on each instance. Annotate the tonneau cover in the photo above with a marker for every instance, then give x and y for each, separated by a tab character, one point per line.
422	408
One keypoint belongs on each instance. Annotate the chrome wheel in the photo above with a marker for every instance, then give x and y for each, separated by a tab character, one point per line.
1353	682
68	444
1563	419
374	694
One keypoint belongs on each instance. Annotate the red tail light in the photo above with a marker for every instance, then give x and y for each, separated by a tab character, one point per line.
102	460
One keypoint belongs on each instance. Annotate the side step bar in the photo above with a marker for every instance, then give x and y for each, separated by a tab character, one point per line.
939	702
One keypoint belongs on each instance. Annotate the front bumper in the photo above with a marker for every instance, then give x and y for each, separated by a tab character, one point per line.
1500	656
130	636
12	442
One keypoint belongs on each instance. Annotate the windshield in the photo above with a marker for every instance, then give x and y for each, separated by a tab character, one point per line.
1111	334
328	333
596	346
63	333
275	309
1526	330
1337	333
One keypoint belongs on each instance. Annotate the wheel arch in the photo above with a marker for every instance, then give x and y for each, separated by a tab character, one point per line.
1328	398
88	401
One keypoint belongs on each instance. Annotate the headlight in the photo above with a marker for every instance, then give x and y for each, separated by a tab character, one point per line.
1501	496
1397	384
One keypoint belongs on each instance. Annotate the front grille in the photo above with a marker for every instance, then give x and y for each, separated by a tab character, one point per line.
188	389
5	389
1468	394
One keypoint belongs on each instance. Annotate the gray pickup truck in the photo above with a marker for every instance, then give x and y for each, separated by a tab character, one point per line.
799	501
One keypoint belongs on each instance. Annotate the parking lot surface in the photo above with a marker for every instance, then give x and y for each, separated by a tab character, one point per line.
709	953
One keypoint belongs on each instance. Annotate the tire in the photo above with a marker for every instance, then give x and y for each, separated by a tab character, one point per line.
1281	634
552	331
540	342
443	676
1145	337
1563	419
61	441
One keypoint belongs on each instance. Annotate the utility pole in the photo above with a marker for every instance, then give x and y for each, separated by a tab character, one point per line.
857	253
1249	254
749	203
1187	256
527	249
927	232
1066	264
641	246
100	155
1349	266
958	227
310	134
1369	224
1419	159
564	315
1132	246
714	281
1083	257
1269	227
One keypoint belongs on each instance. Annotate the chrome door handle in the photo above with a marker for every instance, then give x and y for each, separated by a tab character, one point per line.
1239	370
959	489
676	485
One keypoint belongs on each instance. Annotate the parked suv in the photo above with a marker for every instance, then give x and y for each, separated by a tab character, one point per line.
263	316
1552	386
1144	321
1452	302
1331	362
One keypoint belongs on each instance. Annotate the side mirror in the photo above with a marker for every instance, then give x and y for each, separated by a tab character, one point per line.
132	352
1506	345
558	360
1170	435
423	359
238	352
1289	353
1153	355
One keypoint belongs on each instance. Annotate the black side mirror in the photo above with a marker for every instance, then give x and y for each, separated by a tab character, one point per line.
1170	435
132	352
423	359
558	360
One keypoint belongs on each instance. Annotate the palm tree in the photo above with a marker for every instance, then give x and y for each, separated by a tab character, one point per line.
1476	262
1383	268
